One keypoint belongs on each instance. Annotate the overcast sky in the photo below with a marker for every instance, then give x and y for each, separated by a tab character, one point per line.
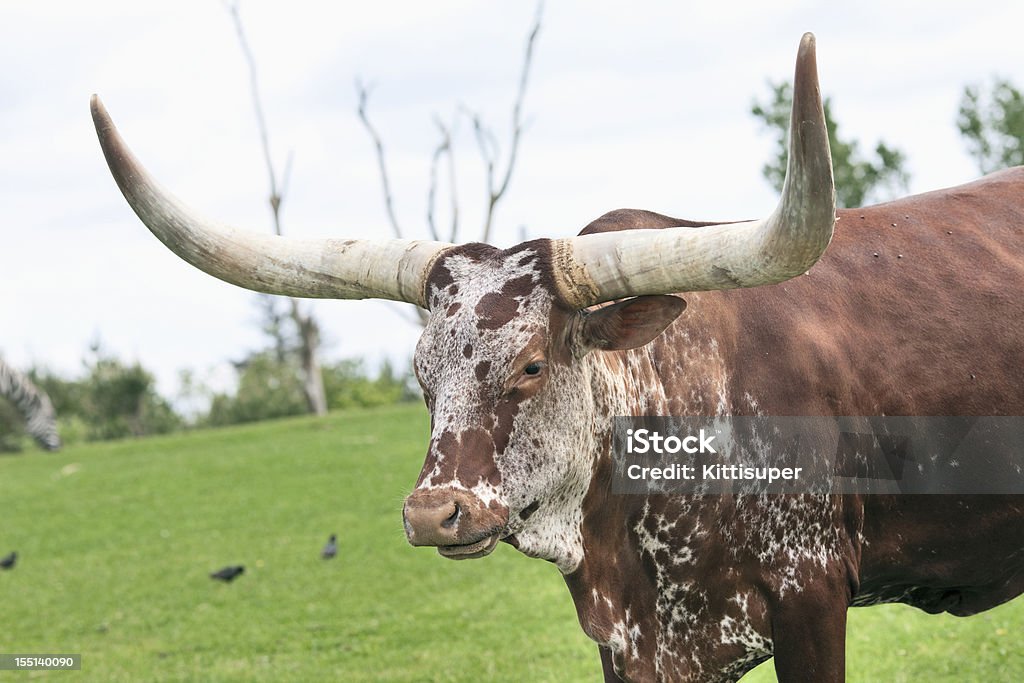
640	104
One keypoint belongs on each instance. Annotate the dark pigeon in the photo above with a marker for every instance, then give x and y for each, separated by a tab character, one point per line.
331	549
9	561
228	574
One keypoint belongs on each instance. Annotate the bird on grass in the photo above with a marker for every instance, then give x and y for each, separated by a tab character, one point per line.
9	561
331	549
228	574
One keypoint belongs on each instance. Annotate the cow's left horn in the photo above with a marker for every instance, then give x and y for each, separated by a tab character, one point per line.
319	268
612	265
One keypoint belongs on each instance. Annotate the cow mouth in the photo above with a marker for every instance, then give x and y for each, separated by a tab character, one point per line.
470	551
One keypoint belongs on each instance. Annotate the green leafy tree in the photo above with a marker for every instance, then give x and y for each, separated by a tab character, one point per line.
121	400
268	388
992	121
858	179
348	385
111	400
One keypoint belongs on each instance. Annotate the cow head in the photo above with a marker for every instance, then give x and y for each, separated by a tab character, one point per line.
503	357
513	419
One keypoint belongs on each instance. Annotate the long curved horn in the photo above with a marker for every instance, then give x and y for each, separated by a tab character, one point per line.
318	268
612	265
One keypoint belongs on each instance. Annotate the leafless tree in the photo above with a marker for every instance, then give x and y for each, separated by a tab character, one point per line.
308	331
497	180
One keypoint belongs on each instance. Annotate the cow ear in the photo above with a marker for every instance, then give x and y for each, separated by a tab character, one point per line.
630	323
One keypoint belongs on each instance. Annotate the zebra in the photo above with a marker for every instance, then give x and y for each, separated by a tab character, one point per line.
33	404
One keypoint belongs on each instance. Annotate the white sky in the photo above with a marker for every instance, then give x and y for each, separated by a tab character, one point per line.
639	104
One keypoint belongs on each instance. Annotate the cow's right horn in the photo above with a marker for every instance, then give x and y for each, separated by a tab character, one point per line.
613	265
319	268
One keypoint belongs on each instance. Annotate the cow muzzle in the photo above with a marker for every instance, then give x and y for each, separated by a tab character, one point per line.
456	522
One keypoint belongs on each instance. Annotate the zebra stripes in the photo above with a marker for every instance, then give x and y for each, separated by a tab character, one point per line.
33	404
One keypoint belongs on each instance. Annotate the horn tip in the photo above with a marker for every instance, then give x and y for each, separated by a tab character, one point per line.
100	117
806	91
806	58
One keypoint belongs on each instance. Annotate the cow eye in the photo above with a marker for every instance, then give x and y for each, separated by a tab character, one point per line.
533	369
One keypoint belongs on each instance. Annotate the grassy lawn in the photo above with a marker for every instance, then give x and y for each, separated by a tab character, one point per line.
116	541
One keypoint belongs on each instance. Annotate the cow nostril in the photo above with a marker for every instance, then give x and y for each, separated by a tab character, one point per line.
452	518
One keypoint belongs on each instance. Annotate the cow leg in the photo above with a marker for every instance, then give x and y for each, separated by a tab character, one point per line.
809	638
606	664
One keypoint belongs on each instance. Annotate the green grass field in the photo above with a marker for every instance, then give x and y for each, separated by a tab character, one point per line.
116	541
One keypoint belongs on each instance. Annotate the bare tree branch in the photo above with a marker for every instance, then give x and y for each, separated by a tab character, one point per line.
486	142
287	175
444	149
364	94
363	91
517	129
305	323
444	146
261	123
452	192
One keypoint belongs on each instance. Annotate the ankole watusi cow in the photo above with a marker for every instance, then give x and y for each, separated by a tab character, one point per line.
916	308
